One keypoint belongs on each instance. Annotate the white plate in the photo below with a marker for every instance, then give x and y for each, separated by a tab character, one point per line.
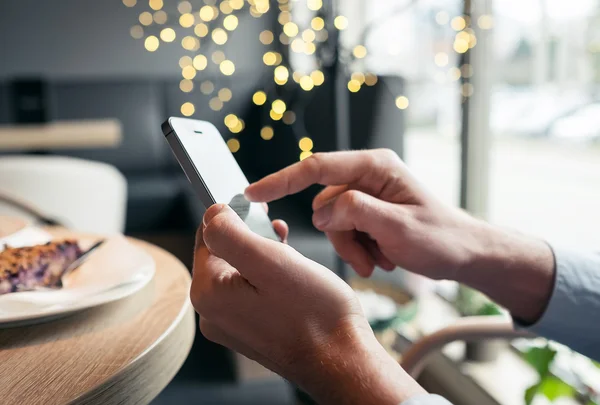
18	233
115	270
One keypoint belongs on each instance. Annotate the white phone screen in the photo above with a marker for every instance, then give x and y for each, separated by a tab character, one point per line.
220	172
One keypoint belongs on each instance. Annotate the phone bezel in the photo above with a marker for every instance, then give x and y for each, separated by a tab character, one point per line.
183	158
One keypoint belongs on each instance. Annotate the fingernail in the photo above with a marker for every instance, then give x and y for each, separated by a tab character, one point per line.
322	216
247	194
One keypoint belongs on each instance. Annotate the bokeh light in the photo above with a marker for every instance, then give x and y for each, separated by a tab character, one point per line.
188	72
289	117
267	133
314	5
156	4
215	104
137	31
305	144
454	73
168	35
354	86
184	7
200	62
151	43
218	57
225	7
230	22
290	29
186	85
187	109
402	102
370	79
185	61
281	75
207	87
207	13
227	67
190	43
259	98
231	120
146	18
306	83
485	22
219	36
278	106
306	154
160	17
201	30
275	116
266	37
340	22
360	51
317	23
317	77
225	95
308	35
186	20
458	23
233	144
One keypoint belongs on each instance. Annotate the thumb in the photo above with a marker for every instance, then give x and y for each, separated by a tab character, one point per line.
229	238
355	210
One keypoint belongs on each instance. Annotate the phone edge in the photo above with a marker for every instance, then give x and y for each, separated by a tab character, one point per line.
184	159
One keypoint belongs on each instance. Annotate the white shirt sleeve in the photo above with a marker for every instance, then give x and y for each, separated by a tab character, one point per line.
427	399
572	316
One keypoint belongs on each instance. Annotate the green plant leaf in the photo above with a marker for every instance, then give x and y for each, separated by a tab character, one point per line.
530	393
540	358
552	388
489	309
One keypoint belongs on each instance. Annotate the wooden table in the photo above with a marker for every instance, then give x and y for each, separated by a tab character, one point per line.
61	134
120	353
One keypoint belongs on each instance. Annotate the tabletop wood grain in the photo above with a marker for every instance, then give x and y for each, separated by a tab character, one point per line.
120	353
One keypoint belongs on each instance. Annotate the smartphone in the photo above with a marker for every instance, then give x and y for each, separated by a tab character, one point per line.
213	172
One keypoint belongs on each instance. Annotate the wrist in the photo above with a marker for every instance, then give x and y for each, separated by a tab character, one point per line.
513	269
356	369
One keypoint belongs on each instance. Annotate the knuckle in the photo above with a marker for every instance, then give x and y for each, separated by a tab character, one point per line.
197	298
208	330
215	228
387	154
314	163
212	211
202	297
403	221
351	201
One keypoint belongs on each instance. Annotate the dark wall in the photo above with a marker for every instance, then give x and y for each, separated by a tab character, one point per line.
74	38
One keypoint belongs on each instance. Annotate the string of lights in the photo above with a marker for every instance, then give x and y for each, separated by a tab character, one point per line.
209	25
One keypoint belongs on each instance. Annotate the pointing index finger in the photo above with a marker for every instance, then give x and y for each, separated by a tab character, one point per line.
336	168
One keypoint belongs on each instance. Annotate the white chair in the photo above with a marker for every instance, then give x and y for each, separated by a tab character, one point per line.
81	195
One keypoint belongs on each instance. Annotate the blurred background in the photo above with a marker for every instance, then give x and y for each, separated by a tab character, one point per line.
494	105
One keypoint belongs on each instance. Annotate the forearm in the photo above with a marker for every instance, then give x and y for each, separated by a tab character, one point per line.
554	292
515	270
